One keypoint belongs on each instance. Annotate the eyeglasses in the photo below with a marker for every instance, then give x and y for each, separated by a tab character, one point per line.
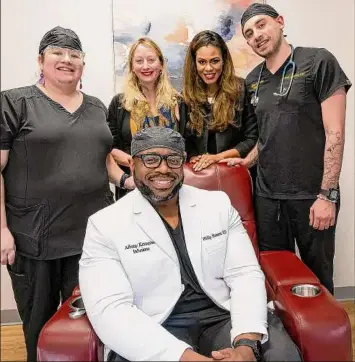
153	160
60	53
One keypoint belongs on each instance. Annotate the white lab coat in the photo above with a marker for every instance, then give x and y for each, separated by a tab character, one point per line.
130	277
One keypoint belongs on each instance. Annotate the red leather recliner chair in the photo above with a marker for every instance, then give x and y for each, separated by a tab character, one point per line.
318	324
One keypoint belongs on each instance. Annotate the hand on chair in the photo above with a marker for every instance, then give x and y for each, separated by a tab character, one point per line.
234	161
203	161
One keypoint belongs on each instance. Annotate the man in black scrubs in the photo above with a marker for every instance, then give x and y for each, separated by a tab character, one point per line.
299	95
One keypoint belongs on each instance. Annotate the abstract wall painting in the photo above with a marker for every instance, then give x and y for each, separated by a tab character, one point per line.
172	24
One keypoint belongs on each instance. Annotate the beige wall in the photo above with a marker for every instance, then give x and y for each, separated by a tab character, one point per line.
7	297
308	22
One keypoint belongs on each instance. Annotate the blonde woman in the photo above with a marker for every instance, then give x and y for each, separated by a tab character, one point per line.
148	100
221	121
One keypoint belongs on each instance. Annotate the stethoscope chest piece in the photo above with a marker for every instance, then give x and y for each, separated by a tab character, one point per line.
254	100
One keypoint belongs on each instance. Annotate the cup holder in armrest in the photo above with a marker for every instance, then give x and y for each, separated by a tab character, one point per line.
77	308
305	290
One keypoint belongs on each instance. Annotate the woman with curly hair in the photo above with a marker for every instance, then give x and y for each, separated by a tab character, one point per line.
148	100
221	121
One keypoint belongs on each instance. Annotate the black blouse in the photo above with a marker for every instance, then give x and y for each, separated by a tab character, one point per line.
242	134
119	123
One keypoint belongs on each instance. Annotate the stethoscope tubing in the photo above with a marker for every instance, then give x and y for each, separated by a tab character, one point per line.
290	63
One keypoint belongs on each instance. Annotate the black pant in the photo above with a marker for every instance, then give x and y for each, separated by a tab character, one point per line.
282	223
39	287
253	174
279	347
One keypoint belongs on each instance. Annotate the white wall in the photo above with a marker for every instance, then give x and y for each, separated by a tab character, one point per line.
330	24
308	22
23	23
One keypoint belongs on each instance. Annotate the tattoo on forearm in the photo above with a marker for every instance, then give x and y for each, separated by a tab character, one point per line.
252	157
333	157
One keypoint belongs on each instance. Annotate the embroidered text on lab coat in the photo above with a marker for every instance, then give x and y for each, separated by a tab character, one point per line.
139	247
210	237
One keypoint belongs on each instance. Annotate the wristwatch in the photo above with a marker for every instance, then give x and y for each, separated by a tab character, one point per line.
123	179
332	194
255	345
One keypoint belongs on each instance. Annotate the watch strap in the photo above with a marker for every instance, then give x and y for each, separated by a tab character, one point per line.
255	345
123	179
331	194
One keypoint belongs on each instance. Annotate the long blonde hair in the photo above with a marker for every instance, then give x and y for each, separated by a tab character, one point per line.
227	99
166	95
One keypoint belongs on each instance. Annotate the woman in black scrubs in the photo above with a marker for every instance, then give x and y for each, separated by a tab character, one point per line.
55	145
221	123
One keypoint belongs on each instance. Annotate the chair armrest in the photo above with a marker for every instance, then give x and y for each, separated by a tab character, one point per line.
283	268
318	325
66	339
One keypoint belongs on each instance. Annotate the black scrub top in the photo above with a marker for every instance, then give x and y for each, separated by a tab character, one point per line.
56	174
291	132
194	307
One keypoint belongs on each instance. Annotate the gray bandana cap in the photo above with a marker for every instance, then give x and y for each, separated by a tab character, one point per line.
258	9
157	137
60	37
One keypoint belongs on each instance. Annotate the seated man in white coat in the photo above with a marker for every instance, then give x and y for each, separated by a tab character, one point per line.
168	273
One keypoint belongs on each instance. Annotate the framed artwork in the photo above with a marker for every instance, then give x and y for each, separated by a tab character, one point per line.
172	24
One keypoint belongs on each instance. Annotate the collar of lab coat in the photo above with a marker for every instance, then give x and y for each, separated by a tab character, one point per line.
150	222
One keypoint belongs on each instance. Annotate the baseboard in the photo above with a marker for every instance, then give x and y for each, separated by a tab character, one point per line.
344	293
11	316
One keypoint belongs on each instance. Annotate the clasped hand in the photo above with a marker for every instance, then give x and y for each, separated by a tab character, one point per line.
241	353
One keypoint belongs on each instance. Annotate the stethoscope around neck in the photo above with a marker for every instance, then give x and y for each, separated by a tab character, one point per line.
283	92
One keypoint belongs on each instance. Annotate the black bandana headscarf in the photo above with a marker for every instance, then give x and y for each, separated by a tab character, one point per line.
258	9
156	137
60	37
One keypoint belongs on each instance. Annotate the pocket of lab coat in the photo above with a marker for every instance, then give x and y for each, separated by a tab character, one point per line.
215	251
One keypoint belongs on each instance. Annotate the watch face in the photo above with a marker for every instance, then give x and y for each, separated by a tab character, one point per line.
334	194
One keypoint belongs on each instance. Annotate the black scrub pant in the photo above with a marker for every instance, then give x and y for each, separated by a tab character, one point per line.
39	286
216	336
282	223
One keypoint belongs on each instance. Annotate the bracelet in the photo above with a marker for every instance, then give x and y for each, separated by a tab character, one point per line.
123	179
322	197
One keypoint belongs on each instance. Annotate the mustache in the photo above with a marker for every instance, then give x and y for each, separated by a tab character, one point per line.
162	175
260	40
149	194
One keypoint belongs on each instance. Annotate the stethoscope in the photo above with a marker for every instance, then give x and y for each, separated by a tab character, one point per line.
283	92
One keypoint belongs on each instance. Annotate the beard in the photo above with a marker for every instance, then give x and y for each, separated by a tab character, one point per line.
274	49
151	196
